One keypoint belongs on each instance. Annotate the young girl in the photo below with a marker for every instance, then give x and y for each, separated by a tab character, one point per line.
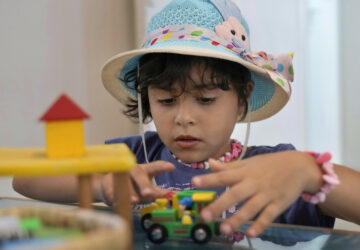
196	77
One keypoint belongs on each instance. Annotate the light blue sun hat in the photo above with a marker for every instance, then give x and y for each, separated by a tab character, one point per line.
208	28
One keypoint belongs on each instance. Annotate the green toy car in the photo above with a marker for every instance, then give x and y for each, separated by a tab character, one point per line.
179	217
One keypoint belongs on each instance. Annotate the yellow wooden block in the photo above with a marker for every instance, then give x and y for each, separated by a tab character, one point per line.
203	197
97	159
65	138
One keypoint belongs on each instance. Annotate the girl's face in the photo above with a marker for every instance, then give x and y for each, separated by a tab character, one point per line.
195	124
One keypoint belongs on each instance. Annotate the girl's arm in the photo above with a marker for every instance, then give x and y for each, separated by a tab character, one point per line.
63	189
344	200
59	189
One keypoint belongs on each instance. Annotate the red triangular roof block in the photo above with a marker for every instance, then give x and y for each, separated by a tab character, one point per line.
64	109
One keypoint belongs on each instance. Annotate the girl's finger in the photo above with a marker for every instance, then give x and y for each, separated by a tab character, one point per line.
219	179
161	192
234	195
141	183
157	167
267	216
248	211
217	166
134	197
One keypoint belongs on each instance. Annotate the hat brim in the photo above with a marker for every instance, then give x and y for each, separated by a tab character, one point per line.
269	106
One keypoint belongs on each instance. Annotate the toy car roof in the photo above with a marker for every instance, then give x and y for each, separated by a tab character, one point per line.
197	195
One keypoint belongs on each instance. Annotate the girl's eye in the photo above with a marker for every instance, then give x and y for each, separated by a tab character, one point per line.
167	101
206	100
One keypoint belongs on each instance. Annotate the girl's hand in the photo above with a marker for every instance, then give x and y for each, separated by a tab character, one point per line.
142	189
267	183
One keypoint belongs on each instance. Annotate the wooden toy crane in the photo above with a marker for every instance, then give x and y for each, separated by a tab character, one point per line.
65	153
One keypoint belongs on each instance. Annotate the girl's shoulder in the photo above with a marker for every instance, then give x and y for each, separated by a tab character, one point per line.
258	150
150	137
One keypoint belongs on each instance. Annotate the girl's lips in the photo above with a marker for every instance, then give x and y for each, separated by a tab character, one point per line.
186	141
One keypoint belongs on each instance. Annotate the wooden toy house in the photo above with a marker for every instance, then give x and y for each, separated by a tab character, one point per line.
64	129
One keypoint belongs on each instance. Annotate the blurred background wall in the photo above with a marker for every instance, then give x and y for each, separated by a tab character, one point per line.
349	81
49	47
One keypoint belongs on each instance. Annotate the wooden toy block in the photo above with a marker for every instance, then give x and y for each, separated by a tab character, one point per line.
65	138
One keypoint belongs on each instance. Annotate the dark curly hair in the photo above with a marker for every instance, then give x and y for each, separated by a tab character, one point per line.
164	69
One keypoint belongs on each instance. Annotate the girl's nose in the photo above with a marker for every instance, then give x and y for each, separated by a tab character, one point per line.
184	115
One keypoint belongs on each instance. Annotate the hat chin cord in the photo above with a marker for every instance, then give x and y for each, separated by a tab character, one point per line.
141	124
142	131
243	152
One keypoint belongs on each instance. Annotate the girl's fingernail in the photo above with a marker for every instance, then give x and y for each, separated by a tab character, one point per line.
251	232
212	161
196	181
146	191
226	228
207	216
133	198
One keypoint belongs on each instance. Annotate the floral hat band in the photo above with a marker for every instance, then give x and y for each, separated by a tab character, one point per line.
281	64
